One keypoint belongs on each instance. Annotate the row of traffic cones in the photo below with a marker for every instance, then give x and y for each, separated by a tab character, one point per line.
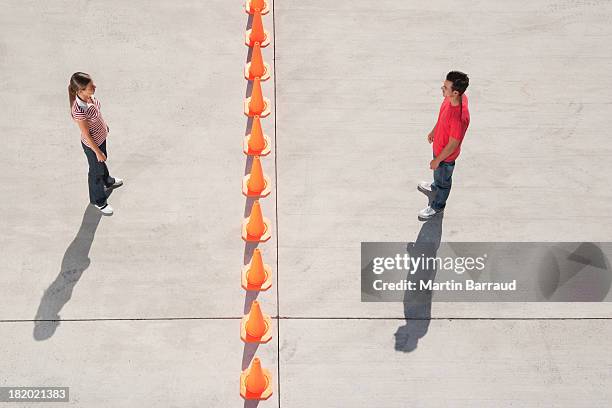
256	327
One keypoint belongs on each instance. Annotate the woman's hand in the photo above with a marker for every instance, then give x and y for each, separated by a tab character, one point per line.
100	156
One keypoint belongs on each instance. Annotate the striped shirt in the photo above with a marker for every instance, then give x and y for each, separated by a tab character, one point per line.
90	111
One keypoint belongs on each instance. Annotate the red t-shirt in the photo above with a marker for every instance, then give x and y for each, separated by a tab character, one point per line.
453	121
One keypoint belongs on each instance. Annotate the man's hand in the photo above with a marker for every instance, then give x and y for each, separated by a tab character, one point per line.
430	137
100	156
434	164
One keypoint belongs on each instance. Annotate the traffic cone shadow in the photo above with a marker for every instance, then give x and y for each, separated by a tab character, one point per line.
248	60
248	205
247	166
249	250
249	298
249	24
249	91
248	352
249	200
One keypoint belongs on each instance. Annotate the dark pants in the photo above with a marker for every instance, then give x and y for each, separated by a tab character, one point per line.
98	176
443	179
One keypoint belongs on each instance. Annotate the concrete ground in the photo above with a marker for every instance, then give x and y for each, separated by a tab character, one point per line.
142	309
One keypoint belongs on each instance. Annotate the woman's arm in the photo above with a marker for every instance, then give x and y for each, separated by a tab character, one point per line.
85	132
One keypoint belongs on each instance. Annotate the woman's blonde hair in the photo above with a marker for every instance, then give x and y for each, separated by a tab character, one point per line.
78	82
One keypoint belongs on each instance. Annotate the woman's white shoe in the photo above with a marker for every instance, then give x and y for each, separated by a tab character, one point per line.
425	186
118	183
105	209
427	213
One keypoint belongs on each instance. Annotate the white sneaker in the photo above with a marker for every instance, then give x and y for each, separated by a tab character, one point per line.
425	186
105	209
427	213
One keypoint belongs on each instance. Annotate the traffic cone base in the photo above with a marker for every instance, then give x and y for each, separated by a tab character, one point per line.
264	286
247	338
265	236
247	7
251	396
264	77
249	43
247	150
264	193
263	114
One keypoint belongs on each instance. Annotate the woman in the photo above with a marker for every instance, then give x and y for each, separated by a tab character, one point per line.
85	110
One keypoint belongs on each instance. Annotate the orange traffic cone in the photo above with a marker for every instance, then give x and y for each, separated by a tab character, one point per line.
251	6
256	327
256	104
256	228
255	382
256	275
256	184
256	143
257	32
256	67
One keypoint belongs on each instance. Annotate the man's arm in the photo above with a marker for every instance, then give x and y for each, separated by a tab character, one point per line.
430	136
447	151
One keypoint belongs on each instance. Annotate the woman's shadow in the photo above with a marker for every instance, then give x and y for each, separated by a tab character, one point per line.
417	303
75	261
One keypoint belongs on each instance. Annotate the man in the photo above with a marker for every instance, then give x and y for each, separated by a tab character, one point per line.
446	136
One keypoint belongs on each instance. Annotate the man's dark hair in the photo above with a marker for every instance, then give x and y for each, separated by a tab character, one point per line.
460	81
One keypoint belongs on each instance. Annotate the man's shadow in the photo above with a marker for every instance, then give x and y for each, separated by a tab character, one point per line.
75	261
417	303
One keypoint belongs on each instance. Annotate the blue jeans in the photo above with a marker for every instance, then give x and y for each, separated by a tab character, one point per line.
443	179
98	176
